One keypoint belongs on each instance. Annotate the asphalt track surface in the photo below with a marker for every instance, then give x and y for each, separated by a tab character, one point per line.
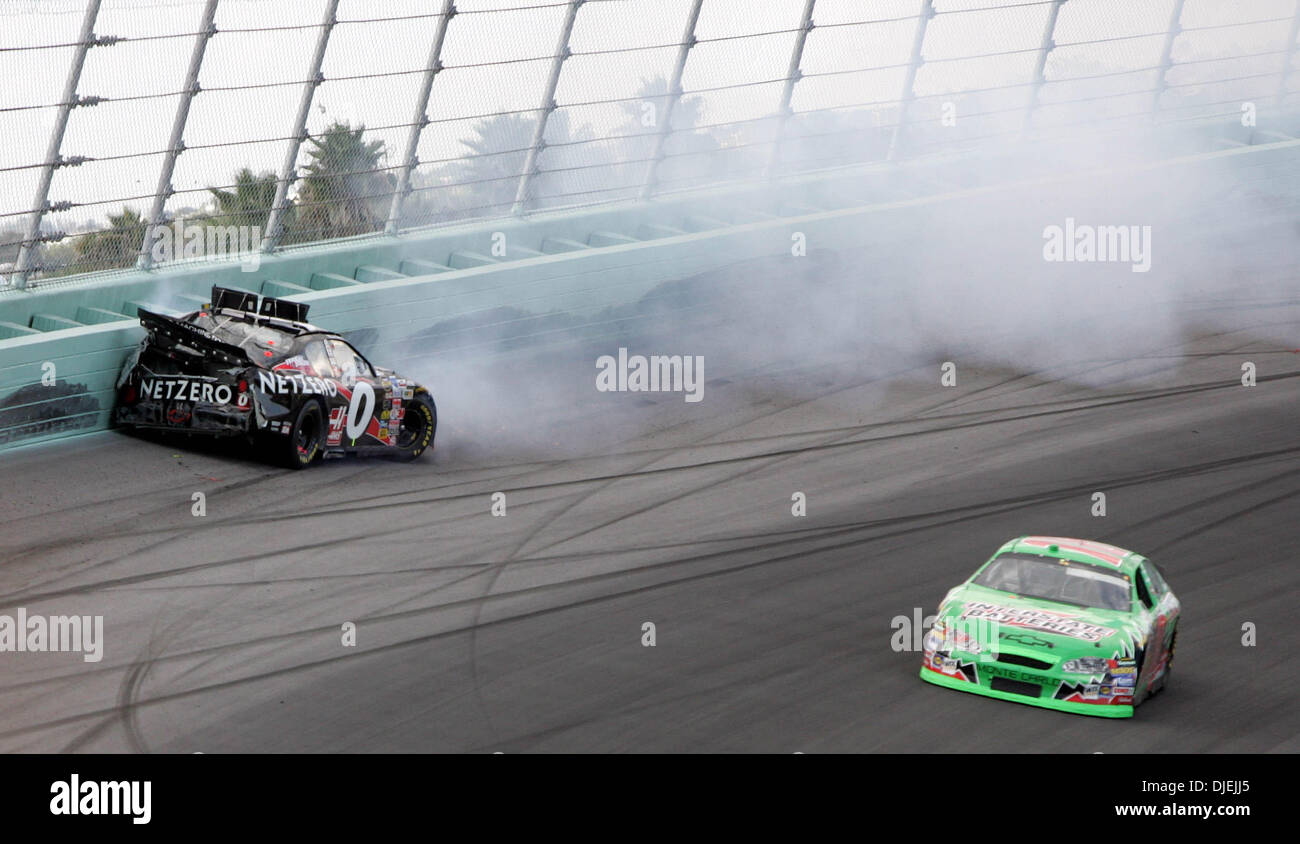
523	633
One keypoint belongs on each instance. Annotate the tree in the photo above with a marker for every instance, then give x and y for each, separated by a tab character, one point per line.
655	91
488	176
646	116
484	182
344	191
249	204
112	248
11	240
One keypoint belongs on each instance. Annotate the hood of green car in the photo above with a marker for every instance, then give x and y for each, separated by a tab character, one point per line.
1028	625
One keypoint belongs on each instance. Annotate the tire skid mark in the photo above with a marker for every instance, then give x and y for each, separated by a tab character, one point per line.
924	522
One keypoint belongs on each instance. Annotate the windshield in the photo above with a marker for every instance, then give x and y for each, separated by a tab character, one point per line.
257	340
1057	580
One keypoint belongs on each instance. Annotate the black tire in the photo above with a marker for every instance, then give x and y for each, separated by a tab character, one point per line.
1155	687
419	424
303	445
1169	666
1140	694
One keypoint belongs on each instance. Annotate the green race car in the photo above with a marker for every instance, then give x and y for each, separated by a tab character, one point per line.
1066	624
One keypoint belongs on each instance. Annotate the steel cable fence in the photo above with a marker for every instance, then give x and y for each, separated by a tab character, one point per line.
180	131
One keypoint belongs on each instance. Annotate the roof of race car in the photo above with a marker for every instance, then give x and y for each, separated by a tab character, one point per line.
287	325
293	332
1076	550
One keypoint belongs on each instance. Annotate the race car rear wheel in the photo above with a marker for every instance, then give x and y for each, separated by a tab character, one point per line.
419	424
303	444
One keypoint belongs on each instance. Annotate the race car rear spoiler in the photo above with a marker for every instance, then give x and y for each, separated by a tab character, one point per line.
172	333
240	300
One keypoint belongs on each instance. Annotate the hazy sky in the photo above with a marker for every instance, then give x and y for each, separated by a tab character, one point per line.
481	39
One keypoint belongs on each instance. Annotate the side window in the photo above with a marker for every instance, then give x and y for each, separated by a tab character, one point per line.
1144	595
1158	585
349	364
315	354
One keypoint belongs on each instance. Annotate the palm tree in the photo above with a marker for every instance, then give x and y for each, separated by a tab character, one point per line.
690	150
249	204
490	172
344	191
655	90
484	181
10	240
116	246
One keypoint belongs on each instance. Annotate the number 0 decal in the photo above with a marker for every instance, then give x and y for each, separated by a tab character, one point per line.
361	409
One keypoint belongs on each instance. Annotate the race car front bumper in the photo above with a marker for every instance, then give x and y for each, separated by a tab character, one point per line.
1045	698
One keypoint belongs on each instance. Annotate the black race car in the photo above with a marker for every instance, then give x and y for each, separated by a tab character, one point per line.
234	369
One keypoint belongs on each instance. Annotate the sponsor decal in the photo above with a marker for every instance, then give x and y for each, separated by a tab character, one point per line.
1124	681
956	640
335	435
1026	639
1099	550
290	383
179	414
945	664
1013	674
195	390
297	362
1091	693
1061	623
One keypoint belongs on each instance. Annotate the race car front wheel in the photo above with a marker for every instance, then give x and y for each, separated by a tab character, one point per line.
1169	664
302	446
419	424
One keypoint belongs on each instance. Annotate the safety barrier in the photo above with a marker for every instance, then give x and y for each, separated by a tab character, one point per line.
389	290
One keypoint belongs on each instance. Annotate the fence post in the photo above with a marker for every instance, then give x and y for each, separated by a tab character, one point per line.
674	96
1040	65
914	64
793	74
1290	54
1166	54
177	144
53	157
275	220
562	52
421	117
